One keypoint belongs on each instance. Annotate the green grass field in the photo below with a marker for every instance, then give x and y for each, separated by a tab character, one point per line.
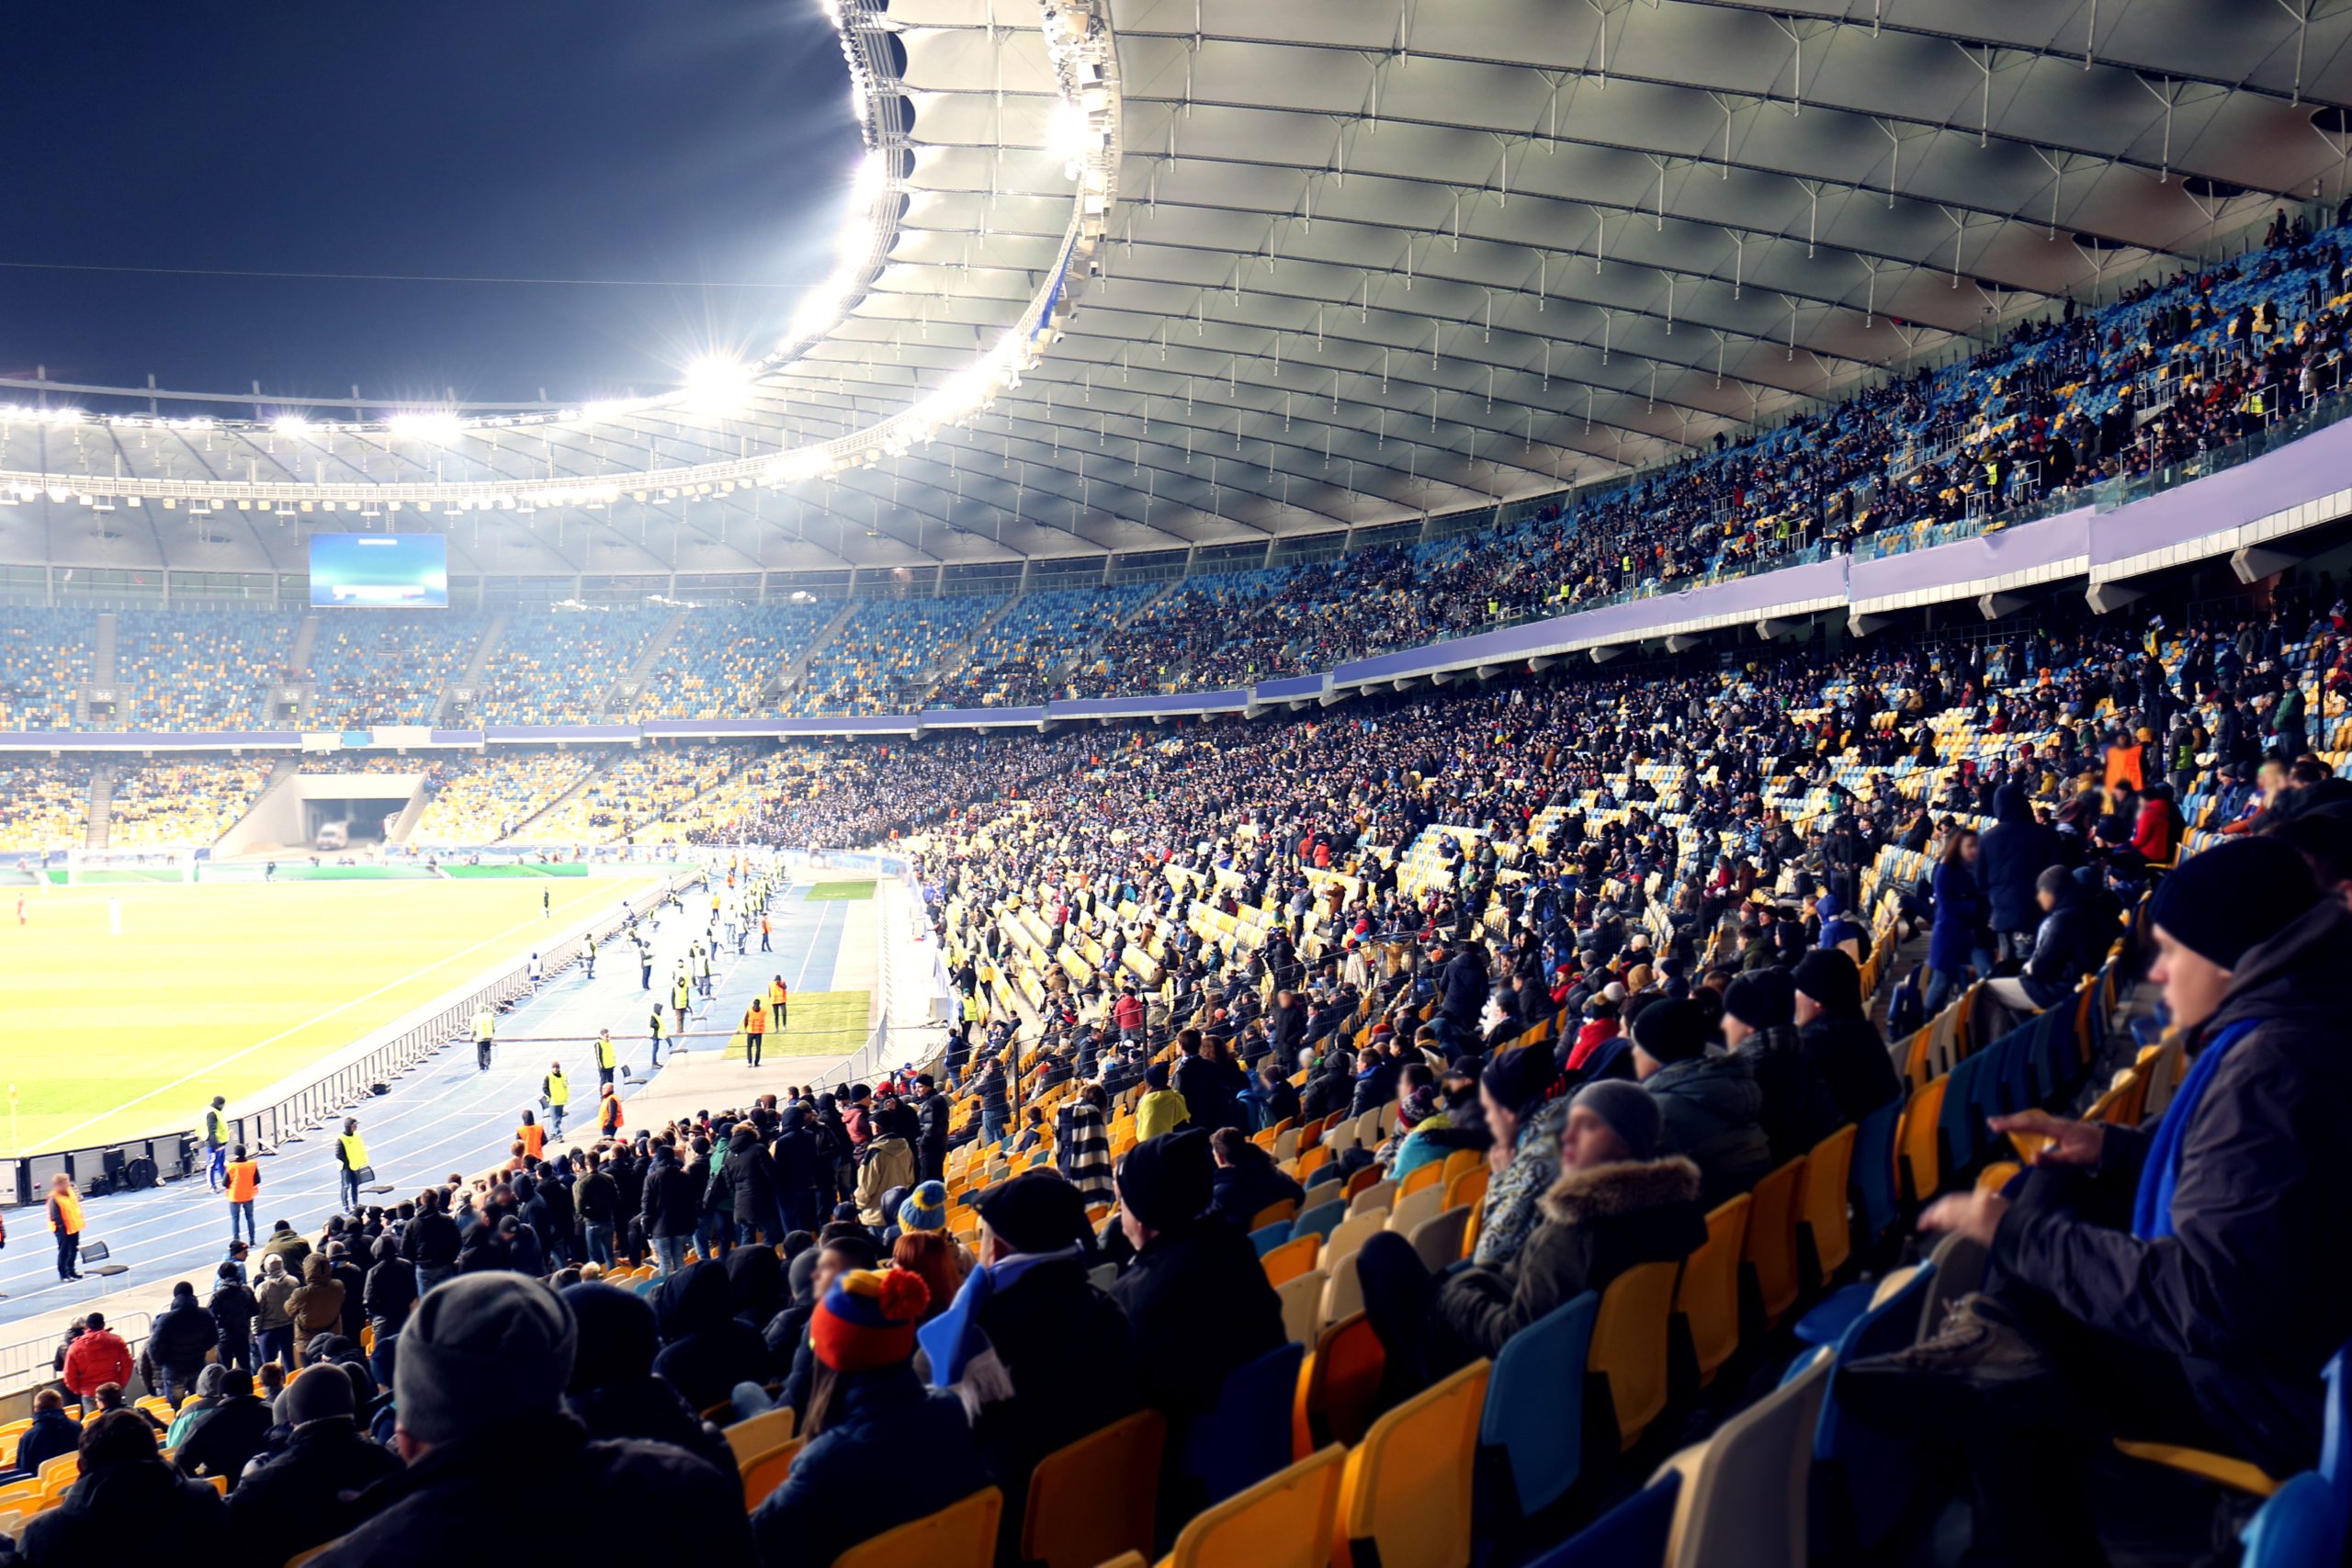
227	989
824	1023
826	892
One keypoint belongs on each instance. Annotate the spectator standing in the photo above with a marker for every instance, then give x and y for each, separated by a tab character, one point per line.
65	1223
242	1180
184	1334
233	1308
97	1355
306	1493
126	1505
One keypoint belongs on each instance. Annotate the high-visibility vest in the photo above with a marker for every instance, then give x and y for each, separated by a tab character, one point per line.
216	1131
485	1024
354	1151
656	1019
244	1180
755	1019
557	1088
679	995
66	1206
605	1050
608	1115
533	1139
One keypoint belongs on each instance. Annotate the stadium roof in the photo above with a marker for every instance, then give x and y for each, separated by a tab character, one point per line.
1145	275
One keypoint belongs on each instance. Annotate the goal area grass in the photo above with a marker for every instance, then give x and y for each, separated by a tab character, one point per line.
230	988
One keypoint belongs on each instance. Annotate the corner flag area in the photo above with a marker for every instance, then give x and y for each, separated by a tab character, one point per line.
228	988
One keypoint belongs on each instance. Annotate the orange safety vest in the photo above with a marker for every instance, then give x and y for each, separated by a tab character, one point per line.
67	1207
608	1115
755	1019
534	1138
244	1180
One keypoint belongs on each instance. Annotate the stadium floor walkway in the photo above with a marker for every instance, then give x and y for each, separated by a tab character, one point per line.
442	1116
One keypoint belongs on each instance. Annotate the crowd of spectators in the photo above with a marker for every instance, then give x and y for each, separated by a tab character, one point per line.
181	804
44	802
488	797
45	662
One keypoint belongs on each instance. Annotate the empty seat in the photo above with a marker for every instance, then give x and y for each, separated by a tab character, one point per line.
1352	1233
768	1429
1534	1416
961	1535
1320	1220
763	1473
1407	1209
1743	1503
1438	1240
1374	1195
1292	1258
1707	1298
1629	1345
1823	1239
1404	1500
1094	1498
1633	1534
1246	1435
1280	1210
1342	1289
1283	1521
1302	1299
1340	1390
1770	1252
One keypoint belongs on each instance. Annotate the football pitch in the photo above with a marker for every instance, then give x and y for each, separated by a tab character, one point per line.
229	988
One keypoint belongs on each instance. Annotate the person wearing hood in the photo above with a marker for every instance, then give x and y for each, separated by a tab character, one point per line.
799	1162
1709	1106
2014	852
1622	1200
391	1291
882	1449
613	1391
1835	928
273	1323
237	1428
301	1497
755	1286
1194	1291
751	1177
1759	1026
672	1204
233	1308
1247	1178
1038	1355
126	1505
1524	1158
182	1336
316	1306
479	1392
704	1350
2060	946
2159	1282
1839	1038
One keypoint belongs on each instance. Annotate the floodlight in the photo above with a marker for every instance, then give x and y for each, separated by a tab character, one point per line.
427	425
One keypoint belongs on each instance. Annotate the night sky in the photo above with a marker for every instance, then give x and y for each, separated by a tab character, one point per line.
687	142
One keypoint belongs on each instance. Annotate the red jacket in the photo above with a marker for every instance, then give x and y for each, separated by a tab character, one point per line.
97	1356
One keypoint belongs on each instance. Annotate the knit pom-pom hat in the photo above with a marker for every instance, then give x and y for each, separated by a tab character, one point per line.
869	1319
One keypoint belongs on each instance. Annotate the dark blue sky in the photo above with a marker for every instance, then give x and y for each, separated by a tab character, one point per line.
683	141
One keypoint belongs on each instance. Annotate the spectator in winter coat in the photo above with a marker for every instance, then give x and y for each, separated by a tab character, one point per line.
1621	1200
1161	1109
1759	1026
751	1173
233	1307
184	1334
932	1111
97	1355
1210	1085
800	1167
302	1495
2194	1320
1709	1105
2056	965
704	1350
1960	942
1082	1148
888	1164
237	1428
2016	850
613	1391
125	1506
875	1433
1839	1038
671	1206
1247	1178
479	1386
53	1433
1524	1158
316	1306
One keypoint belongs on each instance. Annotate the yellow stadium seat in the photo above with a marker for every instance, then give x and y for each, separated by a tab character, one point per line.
961	1535
1094	1498
1280	1209
1404	1497
1629	1345
767	1430
762	1474
1467	1189
1292	1258
1770	1252
1707	1298
1284	1521
1821	1201
1429	1173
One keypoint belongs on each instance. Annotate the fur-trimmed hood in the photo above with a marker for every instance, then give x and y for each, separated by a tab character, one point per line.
1624	1187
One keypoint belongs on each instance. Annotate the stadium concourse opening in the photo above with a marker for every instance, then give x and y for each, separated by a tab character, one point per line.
1484	786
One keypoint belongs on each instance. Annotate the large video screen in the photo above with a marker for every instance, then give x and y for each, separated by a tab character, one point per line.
380	571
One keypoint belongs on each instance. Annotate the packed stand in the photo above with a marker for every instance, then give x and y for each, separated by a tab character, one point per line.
724	656
887	648
1018	659
627	801
44	803
210	670
490	796
559	666
379	666
181	804
44	665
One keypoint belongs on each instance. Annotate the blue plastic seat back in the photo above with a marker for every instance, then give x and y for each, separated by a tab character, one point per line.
1863	1476
1321	1219
1246	1435
1633	1534
2298	1527
1268	1237
1873	1172
1535	1410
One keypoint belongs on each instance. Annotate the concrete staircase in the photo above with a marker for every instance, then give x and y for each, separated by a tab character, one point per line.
470	678
1087	655
306	647
953	661
622	698
792	673
295	677
94	837
105	666
521	834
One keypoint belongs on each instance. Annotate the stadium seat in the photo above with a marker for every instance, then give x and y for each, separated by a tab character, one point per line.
768	1430
1292	1258
1411	1209
1094	1498
1917	1143
1429	1173
1404	1500
1468	1189
1352	1233
1245	1436
1823	1239
1534	1416
1865	1476
1629	1345
1438	1240
1707	1298
1633	1534
1342	1289
2298	1526
961	1535
1302	1298
1873	1170
1268	1237
1769	1253
1320	1221
763	1473
1275	1212
1743	1500
1339	1389
1372	1195
1283	1521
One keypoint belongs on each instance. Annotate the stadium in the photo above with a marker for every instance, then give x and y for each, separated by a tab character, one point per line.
1675	892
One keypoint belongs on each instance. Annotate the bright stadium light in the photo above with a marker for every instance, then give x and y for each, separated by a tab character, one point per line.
427	425
1068	135
718	384
290	425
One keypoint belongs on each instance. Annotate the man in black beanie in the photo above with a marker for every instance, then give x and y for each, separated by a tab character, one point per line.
1837	1036
1193	1293
479	1385
1760	1025
2169	1283
1710	1105
288	1502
